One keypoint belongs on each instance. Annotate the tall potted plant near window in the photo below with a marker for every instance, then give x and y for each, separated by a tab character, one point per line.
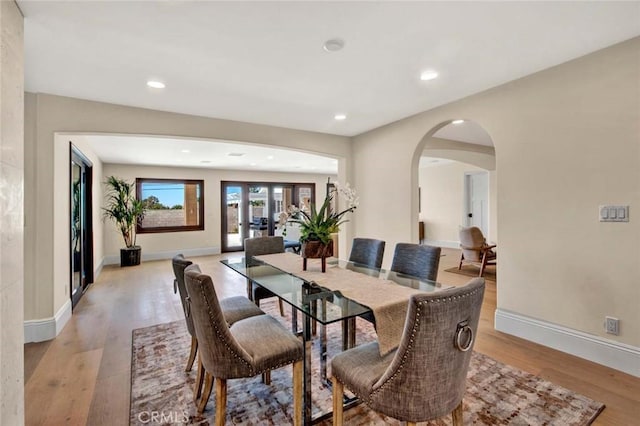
126	211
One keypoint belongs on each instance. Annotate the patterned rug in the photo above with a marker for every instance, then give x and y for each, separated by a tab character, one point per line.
473	271
497	394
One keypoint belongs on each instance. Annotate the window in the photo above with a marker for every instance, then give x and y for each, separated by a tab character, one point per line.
172	205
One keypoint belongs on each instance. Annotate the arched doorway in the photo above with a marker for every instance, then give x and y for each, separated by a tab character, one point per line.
456	182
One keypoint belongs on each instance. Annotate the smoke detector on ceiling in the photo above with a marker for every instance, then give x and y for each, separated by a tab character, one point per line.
333	45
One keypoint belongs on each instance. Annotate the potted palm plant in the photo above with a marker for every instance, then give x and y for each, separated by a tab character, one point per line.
126	211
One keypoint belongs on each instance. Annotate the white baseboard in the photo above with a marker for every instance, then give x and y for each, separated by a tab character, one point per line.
98	270
619	356
443	243
160	255
47	328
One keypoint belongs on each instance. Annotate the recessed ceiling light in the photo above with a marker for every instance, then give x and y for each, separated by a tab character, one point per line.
253	164
340	117
186	151
156	84
456	122
235	154
269	157
428	75
333	45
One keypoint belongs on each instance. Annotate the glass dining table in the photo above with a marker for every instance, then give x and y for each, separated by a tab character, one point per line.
321	305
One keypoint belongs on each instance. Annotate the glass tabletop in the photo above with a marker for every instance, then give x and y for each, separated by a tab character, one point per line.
321	304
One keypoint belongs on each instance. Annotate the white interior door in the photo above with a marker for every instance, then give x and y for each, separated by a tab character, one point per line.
477	200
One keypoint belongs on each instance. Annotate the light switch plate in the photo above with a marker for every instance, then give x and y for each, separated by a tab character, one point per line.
610	213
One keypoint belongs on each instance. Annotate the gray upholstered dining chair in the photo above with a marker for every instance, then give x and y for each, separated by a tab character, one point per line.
475	249
245	349
417	260
424	378
233	308
367	252
255	247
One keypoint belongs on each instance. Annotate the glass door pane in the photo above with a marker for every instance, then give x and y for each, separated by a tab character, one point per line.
258	211
76	231
282	200
304	198
233	228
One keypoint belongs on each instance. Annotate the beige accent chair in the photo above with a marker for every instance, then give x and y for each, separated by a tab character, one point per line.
424	379
248	348
475	249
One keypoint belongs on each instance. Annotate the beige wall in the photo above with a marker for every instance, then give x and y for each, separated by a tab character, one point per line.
11	211
210	238
62	229
566	141
442	201
47	115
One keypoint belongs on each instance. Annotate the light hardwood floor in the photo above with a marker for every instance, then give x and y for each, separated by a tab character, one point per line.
83	376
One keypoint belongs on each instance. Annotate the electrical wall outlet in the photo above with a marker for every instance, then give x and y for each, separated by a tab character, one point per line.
612	325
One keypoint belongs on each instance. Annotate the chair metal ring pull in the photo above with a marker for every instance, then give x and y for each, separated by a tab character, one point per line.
464	336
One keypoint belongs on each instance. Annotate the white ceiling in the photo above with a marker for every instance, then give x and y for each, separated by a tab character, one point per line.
263	62
467	131
156	151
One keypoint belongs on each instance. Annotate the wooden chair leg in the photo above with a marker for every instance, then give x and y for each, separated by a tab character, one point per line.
338	391
281	307
456	414
266	378
206	392
484	264
197	388
297	393
221	402
192	354
411	423
461	259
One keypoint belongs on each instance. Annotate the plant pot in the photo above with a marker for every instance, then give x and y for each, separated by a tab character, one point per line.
316	250
130	256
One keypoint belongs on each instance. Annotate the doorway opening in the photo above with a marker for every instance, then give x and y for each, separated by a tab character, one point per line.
81	237
456	180
252	209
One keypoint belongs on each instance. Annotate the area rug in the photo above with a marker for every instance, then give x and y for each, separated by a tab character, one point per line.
473	271
497	394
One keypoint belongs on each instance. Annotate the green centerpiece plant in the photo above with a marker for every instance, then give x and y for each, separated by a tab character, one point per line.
317	225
